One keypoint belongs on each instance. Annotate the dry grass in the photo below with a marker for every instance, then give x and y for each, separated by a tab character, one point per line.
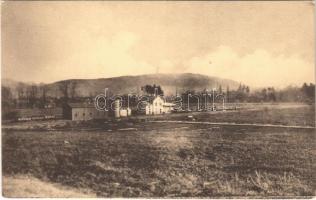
27	186
169	160
296	116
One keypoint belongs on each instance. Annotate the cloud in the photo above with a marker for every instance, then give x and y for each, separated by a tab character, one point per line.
101	57
49	41
258	68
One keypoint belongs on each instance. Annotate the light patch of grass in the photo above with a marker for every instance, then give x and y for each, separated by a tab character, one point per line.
27	186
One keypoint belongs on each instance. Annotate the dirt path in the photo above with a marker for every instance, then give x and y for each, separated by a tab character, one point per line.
234	124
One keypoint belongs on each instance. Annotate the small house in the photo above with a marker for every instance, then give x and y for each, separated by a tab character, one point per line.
83	112
157	105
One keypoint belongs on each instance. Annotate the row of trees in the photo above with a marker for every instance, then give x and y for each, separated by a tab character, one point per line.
306	93
37	95
31	96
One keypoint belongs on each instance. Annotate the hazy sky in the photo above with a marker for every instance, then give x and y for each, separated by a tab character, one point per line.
257	43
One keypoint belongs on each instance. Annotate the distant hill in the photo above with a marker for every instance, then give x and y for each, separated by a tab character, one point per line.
132	84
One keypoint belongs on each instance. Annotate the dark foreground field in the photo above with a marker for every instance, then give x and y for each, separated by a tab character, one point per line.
168	160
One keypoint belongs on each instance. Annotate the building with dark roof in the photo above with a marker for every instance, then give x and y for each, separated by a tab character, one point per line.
83	112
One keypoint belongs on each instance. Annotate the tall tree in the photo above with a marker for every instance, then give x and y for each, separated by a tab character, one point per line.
73	87
220	90
31	95
20	90
153	89
44	89
6	96
64	89
227	94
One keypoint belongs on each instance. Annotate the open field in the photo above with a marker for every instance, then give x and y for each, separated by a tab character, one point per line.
278	114
293	115
173	160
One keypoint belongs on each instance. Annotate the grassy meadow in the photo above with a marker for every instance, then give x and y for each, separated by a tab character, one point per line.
146	159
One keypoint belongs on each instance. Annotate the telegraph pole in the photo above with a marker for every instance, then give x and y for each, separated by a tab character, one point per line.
206	99
127	101
213	106
223	103
189	102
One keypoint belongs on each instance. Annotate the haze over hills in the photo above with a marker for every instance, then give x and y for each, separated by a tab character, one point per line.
132	84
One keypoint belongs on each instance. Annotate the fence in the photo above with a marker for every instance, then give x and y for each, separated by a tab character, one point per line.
26	114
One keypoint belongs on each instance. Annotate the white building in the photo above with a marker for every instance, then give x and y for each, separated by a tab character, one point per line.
168	107
120	112
157	106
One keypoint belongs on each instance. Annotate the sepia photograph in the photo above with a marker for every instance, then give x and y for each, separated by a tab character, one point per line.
158	99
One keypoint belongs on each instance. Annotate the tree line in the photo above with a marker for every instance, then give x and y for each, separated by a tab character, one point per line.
36	96
31	96
243	94
305	93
